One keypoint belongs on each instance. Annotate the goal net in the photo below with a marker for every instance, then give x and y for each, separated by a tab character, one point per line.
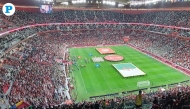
143	84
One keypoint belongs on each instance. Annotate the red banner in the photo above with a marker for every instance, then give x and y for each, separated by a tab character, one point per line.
126	39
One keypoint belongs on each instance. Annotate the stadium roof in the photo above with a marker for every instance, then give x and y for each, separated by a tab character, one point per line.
20	2
38	2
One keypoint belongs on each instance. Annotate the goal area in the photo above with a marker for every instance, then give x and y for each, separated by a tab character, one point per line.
143	84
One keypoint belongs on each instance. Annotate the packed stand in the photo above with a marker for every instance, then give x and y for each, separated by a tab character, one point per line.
174	49
4	23
9	40
39	78
169	18
176	97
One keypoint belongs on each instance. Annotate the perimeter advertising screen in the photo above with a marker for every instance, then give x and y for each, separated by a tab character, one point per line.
46	8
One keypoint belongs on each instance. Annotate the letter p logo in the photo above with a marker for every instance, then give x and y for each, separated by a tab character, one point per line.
8	9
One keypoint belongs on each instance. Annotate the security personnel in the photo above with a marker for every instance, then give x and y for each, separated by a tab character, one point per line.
138	100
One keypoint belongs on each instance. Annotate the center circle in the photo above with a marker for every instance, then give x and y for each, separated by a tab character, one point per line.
114	58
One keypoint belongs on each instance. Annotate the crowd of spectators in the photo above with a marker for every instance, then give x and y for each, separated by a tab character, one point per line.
89	37
9	40
174	49
37	78
88	31
169	18
177	97
5	24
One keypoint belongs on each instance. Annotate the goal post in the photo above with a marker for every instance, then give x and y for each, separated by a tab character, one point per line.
143	84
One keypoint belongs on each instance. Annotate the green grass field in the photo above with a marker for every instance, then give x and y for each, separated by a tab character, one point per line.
92	81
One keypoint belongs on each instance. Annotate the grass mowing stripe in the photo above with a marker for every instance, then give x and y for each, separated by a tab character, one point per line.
105	81
98	77
82	77
104	78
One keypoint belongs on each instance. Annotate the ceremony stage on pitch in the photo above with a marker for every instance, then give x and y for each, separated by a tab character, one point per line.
128	70
105	50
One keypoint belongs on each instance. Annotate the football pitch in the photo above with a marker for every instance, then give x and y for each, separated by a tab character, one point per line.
105	79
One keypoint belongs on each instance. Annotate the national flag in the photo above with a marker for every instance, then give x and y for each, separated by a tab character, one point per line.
128	69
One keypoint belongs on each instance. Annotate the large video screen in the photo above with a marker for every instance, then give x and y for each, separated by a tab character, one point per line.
46	8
